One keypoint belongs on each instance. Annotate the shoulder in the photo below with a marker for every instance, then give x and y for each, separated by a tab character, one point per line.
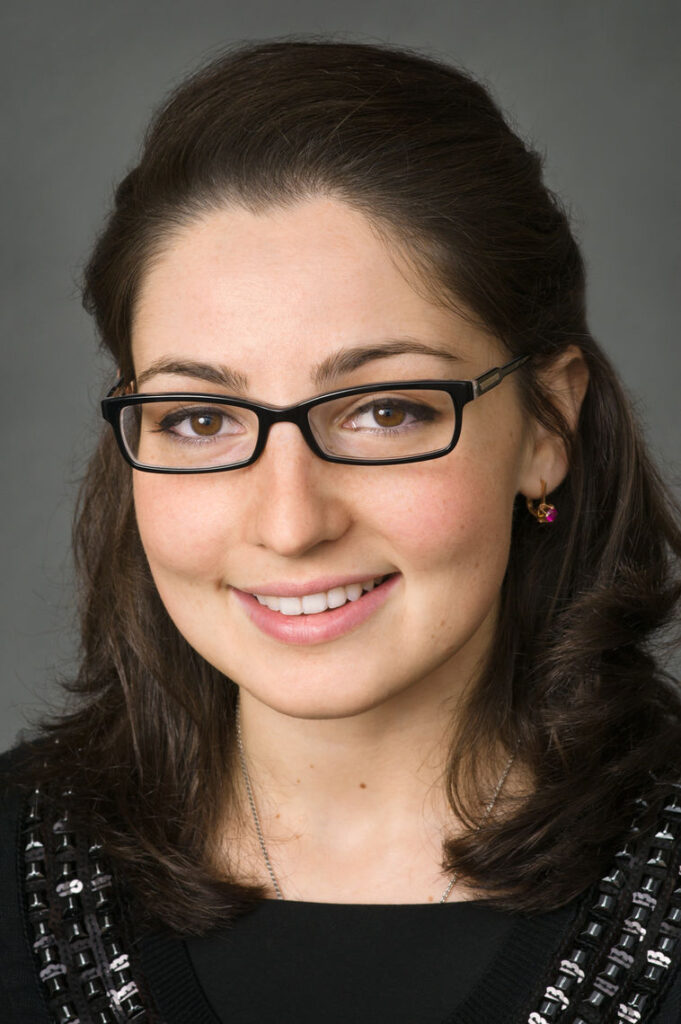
621	960
11	763
19	985
14	790
69	935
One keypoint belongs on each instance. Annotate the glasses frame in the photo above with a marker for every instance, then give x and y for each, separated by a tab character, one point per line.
461	391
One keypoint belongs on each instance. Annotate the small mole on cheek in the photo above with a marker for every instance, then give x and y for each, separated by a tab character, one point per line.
311	766
362	785
430	899
297	781
278	815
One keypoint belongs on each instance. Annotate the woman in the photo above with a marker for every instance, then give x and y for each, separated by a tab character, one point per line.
372	559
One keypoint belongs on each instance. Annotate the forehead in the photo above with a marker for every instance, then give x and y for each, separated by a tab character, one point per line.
273	293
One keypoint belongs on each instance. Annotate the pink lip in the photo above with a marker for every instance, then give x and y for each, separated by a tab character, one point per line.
315	629
316	586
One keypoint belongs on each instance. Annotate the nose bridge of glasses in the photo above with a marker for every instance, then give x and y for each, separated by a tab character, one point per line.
286	414
296	414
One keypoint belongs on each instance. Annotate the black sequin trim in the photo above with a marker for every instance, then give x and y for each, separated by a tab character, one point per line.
616	965
80	939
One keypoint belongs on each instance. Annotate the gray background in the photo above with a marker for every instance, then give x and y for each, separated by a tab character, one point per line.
595	85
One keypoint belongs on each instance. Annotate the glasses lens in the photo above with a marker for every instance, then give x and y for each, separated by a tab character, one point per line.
173	434
385	425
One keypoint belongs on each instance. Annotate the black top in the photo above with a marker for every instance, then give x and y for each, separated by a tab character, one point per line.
70	953
293	962
286	962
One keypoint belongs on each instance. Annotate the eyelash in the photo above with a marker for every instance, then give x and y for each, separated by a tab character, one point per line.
172	419
421	413
413	408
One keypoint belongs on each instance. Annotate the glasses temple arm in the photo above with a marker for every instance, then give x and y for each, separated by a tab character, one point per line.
489	380
112	391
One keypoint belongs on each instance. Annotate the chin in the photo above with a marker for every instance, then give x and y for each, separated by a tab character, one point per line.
320	704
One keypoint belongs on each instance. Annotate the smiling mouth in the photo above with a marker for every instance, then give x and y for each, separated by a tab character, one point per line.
314	604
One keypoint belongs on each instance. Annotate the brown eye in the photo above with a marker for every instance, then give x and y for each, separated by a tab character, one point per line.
205	423
389	415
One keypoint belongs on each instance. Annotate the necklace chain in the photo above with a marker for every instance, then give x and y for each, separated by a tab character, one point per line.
251	800
261	839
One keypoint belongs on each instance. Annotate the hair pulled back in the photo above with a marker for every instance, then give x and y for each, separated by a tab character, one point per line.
572	683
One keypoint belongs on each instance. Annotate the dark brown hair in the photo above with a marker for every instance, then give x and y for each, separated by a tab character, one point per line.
572	683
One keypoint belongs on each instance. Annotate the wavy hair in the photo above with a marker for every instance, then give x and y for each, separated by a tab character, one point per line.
574	682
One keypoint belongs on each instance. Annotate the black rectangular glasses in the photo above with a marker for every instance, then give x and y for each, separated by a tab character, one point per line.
372	425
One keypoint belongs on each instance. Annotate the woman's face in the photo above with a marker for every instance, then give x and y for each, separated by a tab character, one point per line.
271	296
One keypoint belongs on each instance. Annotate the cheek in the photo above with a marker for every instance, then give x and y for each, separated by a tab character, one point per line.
461	516
452	537
182	526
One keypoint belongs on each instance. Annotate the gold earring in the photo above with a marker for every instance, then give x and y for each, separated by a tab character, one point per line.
544	511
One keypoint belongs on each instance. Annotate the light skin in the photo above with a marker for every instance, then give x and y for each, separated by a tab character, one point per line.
346	740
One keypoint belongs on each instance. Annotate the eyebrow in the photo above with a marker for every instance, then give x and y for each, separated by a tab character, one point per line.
338	364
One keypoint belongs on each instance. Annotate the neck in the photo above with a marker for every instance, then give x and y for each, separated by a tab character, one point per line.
354	808
351	809
381	761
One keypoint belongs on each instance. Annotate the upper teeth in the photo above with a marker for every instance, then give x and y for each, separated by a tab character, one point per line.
310	604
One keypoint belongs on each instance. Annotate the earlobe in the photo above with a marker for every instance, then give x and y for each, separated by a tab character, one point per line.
564	382
547	466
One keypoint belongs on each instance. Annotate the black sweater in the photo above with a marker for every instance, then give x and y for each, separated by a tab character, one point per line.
69	951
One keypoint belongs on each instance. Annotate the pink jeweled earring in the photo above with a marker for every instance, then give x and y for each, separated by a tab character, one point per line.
544	512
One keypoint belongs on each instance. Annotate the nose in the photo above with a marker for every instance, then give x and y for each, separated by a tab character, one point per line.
297	499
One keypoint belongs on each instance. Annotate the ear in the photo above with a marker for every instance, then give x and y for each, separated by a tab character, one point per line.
565	381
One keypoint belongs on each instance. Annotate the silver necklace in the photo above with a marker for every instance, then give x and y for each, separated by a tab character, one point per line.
261	839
